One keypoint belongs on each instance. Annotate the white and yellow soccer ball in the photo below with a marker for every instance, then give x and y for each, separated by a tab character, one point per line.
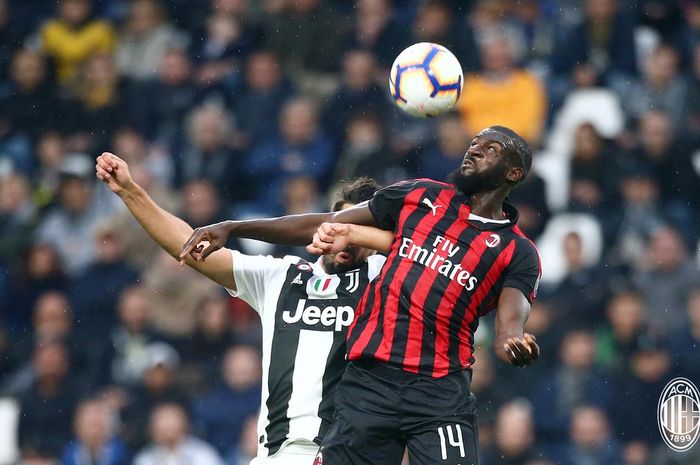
426	80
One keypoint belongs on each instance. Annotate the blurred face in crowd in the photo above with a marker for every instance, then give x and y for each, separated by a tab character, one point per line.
601	11
75	194
587	143
144	16
208	128
223	28
75	11
214	317
578	350
359	70
694	307
52	317
626	315
200	202
14	193
514	429
433	22
347	259
651	365
42	261
50	363
655	134
232	7
28	70
452	137
497	54
110	246
51	150
573	251
299	122
175	68
241	368
263	72
92	424
364	136
129	144
169	425
483	374
100	71
666	250
589	428
300	194
640	190
134	309
661	66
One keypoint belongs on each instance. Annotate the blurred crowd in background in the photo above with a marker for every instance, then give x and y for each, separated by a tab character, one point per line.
112	354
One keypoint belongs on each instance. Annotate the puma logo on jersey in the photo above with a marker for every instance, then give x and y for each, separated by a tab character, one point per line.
430	205
298	280
319	317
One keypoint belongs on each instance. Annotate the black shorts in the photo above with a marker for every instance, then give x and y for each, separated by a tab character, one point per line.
381	411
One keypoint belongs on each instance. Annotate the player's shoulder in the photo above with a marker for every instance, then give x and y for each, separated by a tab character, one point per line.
423	183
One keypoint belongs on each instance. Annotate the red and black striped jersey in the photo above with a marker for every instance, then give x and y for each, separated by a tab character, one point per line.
443	272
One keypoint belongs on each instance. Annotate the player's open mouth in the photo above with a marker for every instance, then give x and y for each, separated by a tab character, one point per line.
344	257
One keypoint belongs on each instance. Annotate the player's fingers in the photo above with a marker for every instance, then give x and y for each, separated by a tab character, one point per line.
103	163
191	243
523	349
533	346
323	235
312	249
210	249
339	228
101	173
519	350
513	359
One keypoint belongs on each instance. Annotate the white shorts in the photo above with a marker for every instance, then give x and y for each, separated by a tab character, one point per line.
291	454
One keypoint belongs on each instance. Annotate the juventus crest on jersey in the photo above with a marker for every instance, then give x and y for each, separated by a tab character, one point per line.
305	315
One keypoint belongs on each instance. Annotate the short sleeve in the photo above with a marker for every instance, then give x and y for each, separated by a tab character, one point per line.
375	264
386	204
251	273
524	270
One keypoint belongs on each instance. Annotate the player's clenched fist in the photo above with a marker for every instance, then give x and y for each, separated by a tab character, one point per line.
330	238
522	352
114	172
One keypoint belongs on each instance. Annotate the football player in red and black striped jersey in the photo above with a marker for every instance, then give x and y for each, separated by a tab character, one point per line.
454	254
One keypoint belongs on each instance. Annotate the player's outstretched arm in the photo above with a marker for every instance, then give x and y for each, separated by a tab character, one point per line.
166	229
510	343
334	237
291	230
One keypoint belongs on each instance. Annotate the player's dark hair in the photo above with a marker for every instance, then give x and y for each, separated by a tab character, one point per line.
355	191
519	150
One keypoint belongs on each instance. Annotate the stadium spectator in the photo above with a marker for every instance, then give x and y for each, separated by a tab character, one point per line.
74	36
248	446
47	406
208	153
574	381
604	40
365	148
10	39
124	353
451	139
70	225
144	39
18	217
171	443
300	148
238	391
502	93
618	339
158	386
204	350
95	441
515	436
51	151
359	92
29	106
95	290
260	98
591	440
378	29
685	340
660	88
176	295
665	278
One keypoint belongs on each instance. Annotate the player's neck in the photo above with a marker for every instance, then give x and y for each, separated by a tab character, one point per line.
488	204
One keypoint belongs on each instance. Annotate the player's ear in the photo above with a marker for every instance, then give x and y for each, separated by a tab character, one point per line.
515	174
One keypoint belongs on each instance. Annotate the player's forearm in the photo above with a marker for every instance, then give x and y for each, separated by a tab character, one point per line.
290	230
370	237
166	229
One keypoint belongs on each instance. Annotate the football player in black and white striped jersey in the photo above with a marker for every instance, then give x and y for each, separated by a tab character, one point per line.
305	308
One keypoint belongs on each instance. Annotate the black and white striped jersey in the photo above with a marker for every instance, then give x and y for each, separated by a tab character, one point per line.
305	315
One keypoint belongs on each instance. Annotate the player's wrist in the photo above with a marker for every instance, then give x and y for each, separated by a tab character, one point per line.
130	191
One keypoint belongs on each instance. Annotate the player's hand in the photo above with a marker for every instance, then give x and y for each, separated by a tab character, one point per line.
204	241
330	238
522	352
114	172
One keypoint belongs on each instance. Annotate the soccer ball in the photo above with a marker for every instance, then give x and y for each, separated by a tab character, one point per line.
425	80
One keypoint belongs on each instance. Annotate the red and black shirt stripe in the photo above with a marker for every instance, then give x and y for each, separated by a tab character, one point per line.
443	272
